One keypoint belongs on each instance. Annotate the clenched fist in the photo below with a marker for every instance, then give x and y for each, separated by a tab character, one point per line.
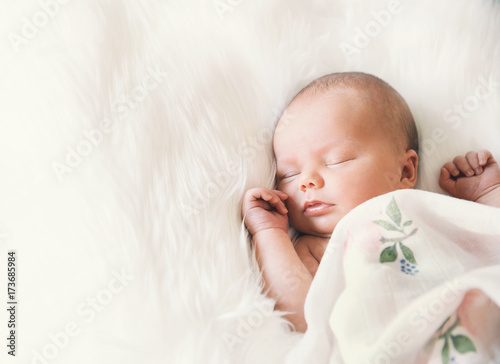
474	177
264	209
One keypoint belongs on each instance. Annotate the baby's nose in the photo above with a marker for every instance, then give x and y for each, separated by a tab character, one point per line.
311	180
307	185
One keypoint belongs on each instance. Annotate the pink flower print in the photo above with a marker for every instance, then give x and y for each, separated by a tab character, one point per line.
348	242
370	238
365	240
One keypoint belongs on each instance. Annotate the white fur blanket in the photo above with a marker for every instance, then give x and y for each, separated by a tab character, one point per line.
407	277
131	129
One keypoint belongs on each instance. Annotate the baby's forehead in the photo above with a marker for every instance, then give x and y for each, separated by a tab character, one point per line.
354	98
359	111
357	97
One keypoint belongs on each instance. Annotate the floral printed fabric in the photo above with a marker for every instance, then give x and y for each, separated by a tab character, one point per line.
408	277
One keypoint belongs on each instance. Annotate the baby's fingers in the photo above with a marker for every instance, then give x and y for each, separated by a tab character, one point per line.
281	195
473	160
463	165
275	201
484	156
445	181
451	168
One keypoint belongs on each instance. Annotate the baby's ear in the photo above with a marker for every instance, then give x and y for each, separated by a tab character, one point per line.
409	164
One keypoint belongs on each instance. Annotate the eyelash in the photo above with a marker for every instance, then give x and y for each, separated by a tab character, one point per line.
334	164
328	165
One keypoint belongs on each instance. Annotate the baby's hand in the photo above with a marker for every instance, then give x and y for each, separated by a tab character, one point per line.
264	209
475	177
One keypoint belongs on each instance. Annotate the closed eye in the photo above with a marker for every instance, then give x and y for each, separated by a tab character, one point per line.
289	176
337	163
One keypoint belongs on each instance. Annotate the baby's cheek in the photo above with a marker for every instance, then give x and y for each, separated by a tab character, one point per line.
293	221
291	202
293	213
295	217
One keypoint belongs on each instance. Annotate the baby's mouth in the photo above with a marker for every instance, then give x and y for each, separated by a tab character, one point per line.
314	208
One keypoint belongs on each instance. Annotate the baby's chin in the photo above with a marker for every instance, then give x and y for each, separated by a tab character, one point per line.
322	227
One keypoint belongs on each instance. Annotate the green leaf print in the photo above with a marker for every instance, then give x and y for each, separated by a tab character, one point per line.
462	343
413	232
386	225
407	253
389	254
445	353
393	212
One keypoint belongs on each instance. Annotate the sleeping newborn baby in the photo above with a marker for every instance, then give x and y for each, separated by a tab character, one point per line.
352	137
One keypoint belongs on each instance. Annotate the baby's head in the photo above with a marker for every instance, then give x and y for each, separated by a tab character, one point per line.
345	138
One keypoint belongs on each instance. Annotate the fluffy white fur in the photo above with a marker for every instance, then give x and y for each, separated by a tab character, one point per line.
200	138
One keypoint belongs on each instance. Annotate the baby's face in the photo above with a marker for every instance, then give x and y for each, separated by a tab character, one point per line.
337	153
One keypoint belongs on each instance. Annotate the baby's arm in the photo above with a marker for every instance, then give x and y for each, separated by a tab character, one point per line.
475	177
310	250
286	279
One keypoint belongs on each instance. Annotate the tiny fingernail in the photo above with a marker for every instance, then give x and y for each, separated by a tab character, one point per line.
478	170
469	173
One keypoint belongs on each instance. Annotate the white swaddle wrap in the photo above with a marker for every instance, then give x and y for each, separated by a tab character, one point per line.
408	277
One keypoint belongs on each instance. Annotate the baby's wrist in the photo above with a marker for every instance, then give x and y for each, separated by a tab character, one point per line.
269	232
491	198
